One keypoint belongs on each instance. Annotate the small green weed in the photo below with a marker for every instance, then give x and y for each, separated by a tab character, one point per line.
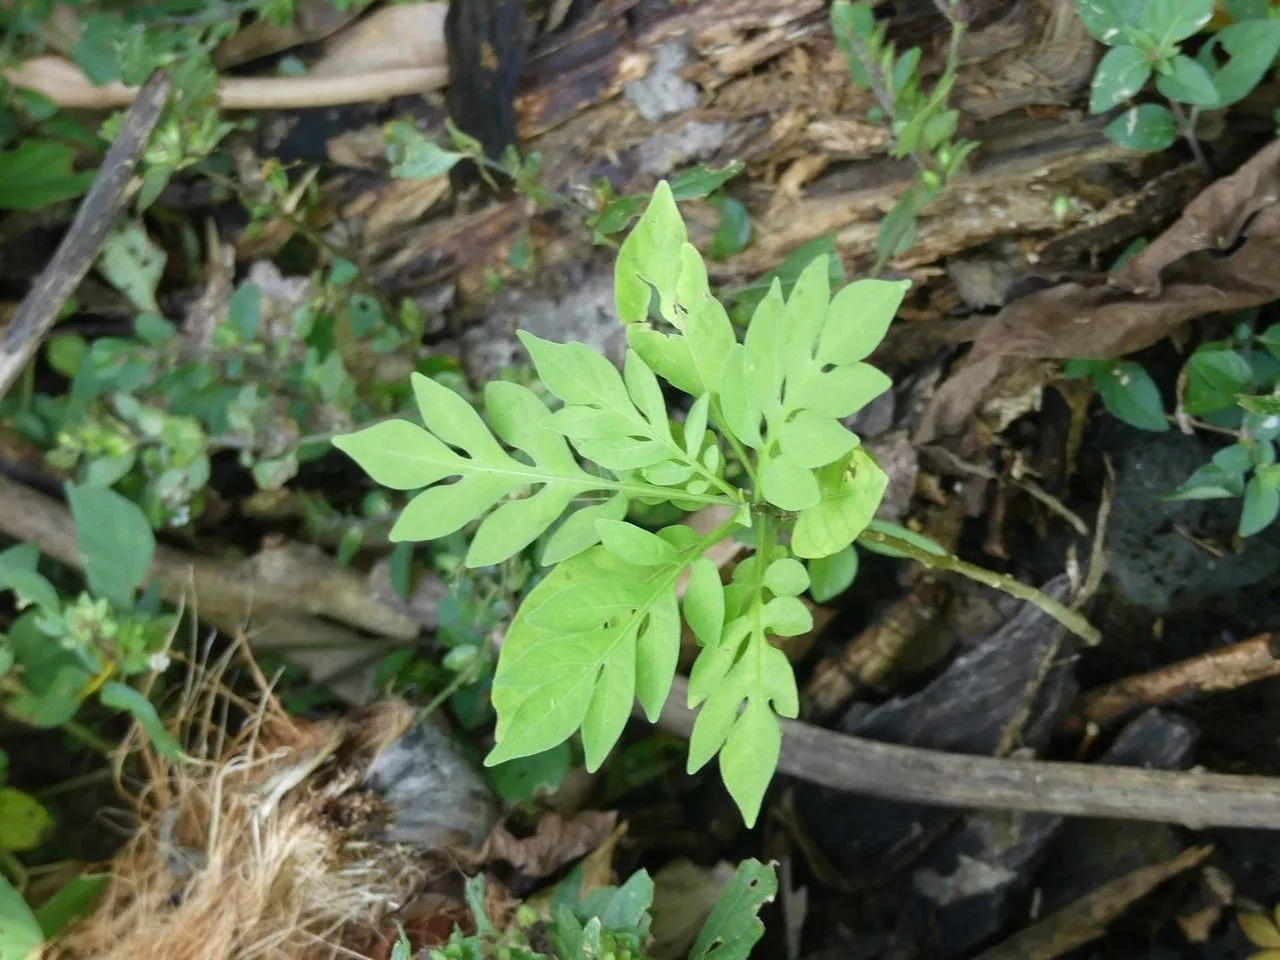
611	923
924	128
1232	386
1145	39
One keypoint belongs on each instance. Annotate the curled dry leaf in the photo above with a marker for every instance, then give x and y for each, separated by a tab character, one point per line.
1220	255
556	841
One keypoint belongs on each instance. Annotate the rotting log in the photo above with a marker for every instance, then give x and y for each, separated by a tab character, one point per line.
762	82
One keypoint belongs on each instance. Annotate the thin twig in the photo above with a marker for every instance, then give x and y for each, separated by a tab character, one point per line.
87	233
914	775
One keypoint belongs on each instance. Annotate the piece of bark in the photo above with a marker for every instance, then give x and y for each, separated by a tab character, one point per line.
1087	918
1218	670
1007	691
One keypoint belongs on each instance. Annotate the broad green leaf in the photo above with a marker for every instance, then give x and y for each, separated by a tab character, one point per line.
133	264
38	173
704	320
20	935
578	633
734	926
1261	501
1129	394
577	374
1188	82
74	900
1216	375
1169	22
646	261
786	577
704	602
637	547
840	392
579	531
1106	19
858	319
787	617
1252	48
804	317
24	822
765	346
850	495
832	575
810	440
1147	128
1121	73
750	756
739	408
115	542
121	696
788	486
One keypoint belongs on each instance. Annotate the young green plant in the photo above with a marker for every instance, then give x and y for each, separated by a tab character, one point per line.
1145	38
602	628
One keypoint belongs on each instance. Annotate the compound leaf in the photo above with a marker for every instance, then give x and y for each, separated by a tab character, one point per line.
858	318
405	456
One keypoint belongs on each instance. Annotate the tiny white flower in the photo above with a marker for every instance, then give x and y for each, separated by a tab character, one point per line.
159	662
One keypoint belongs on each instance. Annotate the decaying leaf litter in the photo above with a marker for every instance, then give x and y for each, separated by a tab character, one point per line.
993	454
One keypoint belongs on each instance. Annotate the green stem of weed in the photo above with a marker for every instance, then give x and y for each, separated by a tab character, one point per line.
1069	618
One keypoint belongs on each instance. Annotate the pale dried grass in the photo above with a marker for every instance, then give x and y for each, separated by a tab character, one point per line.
250	850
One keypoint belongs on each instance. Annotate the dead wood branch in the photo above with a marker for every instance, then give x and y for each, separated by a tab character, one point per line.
88	232
857	765
1087	918
1217	671
293	595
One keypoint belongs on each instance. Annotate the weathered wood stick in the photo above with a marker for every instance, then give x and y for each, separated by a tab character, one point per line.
1193	799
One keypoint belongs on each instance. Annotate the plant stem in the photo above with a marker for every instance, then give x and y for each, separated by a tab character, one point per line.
739	450
1069	618
1186	118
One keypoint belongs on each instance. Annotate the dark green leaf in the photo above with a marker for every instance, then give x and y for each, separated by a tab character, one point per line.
1121	73
1168	22
115	542
734	230
524	779
74	900
1261	501
38	173
1129	394
1148	128
1106	19
414	156
1267	406
734	926
1187	82
700	181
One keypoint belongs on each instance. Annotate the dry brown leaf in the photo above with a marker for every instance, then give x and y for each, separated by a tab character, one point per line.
556	841
390	38
683	895
1182	275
